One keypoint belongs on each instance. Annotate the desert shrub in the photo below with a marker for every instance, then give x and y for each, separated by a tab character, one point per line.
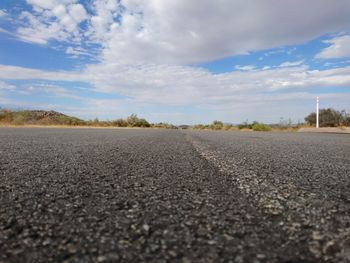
163	125
228	127
143	123
284	124
201	127
18	119
247	125
6	116
261	127
120	123
242	126
134	121
217	125
2	113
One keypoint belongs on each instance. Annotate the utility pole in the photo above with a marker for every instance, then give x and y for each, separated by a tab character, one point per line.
317	112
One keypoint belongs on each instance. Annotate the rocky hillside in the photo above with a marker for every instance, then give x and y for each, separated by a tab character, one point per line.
37	117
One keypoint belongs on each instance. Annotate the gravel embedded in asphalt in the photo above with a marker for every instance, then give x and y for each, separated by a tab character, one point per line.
121	195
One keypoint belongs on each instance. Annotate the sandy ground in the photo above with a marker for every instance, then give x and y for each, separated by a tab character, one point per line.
327	130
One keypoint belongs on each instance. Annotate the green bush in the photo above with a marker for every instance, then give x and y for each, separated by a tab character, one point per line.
261	127
143	123
255	126
246	125
217	125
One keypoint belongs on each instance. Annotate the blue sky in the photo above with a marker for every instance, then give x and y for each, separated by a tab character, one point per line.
175	61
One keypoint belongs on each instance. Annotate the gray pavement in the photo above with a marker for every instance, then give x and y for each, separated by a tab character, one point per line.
115	195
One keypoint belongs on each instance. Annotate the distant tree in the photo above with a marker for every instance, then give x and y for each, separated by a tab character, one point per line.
132	120
311	118
327	118
345	118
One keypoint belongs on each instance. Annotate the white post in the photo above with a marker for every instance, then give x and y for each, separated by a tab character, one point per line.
317	112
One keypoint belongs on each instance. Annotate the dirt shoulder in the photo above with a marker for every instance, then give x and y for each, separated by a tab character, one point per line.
327	130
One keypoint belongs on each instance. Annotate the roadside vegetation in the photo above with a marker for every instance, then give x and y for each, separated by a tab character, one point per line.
329	118
216	125
255	126
53	118
219	125
162	125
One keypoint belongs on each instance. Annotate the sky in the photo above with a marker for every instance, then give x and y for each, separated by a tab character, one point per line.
176	61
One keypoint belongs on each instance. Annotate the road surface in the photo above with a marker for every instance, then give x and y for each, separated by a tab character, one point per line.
125	195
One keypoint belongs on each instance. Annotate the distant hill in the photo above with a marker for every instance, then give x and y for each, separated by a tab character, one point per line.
184	127
46	118
37	117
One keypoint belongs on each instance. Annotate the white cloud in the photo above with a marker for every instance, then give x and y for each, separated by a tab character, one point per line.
78	51
229	96
6	86
42	4
77	12
339	48
52	20
103	23
147	47
2	13
40	32
7	32
49	90
247	67
13	72
184	85
59	11
184	32
291	64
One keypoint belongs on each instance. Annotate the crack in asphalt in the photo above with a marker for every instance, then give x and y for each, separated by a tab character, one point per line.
296	205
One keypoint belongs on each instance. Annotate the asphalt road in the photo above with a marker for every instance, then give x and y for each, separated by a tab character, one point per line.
99	195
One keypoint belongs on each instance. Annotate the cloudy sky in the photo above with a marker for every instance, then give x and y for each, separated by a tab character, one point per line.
176	61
